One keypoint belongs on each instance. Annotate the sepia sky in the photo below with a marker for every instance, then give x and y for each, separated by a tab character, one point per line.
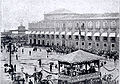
15	11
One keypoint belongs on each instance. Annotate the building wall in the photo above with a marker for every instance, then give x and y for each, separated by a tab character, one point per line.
101	25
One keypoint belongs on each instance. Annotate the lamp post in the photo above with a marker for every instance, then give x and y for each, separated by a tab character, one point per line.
10	52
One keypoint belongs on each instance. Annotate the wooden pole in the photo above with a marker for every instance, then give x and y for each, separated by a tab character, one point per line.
10	52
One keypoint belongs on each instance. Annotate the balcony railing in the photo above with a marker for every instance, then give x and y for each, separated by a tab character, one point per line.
80	77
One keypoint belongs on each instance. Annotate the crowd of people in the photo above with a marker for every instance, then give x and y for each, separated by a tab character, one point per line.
61	49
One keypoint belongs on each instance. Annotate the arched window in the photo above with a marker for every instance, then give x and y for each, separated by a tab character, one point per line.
105	24
90	24
63	24
82	25
98	24
113	24
77	25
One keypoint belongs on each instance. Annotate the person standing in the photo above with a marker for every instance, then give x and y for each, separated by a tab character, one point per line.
30	82
39	62
30	53
22	51
14	67
40	76
16	57
50	67
26	77
35	78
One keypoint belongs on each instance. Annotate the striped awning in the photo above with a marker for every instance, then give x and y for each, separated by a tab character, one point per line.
105	34
62	33
34	32
69	33
52	32
56	33
89	34
97	34
38	32
76	33
82	33
118	35
42	32
47	32
112	35
27	32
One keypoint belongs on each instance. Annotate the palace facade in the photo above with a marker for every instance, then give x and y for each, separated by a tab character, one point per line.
61	28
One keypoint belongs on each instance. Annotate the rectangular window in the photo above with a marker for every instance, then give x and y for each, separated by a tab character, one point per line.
63	36
82	43
89	37
105	38
57	36
52	36
82	37
89	44
30	35
76	43
39	35
112	39
70	37
34	35
43	36
47	36
105	45
77	37
113	45
97	44
97	38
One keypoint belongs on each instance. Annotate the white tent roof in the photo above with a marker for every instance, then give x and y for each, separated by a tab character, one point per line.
42	32
27	32
76	33
62	33
52	32
56	33
83	33
97	34
89	34
104	34
69	33
112	35
38	32
47	32
34	32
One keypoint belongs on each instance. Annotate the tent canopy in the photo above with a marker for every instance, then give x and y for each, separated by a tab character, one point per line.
89	34
104	34
62	33
56	33
69	33
76	33
38	32
82	33
52	32
78	57
97	34
112	35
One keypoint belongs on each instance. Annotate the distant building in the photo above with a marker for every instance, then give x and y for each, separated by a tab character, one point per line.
61	27
18	36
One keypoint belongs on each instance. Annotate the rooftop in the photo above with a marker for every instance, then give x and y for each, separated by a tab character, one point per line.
79	56
60	11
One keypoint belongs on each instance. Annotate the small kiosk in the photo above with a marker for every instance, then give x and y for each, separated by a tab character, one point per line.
79	67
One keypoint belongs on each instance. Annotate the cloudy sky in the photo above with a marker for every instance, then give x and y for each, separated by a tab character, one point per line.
15	11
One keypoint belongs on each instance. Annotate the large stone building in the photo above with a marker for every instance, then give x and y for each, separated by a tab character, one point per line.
61	27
